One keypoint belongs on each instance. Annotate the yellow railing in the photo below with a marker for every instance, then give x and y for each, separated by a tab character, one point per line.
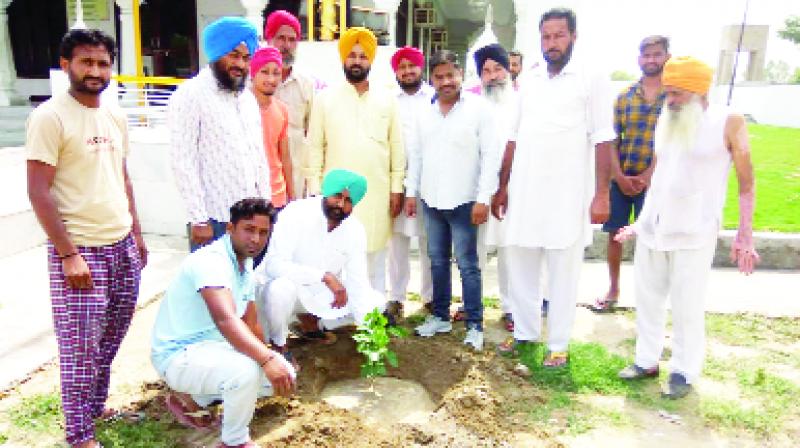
327	17
161	80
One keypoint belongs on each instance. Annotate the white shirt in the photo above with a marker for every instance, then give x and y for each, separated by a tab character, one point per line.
558	122
217	143
302	250
409	106
683	207
454	158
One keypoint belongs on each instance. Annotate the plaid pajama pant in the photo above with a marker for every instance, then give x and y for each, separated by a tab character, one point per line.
89	326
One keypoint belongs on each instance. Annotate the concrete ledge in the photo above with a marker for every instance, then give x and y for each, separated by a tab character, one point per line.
777	250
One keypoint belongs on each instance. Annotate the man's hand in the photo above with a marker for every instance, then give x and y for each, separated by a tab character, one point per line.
137	236
624	234
411	207
338	290
395	204
202	233
599	210
77	272
480	212
277	372
629	185
743	253
500	203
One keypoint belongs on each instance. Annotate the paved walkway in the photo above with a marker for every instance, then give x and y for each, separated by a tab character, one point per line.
28	340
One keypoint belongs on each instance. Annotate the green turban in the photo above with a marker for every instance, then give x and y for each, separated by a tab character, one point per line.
337	181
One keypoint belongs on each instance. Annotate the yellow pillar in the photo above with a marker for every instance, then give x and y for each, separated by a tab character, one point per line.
328	20
137	38
310	19
342	16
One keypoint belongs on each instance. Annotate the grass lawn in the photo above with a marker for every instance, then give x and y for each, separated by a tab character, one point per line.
776	160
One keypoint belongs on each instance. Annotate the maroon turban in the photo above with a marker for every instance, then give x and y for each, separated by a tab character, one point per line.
277	19
412	54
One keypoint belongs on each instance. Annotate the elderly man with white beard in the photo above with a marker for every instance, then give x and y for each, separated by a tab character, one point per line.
695	143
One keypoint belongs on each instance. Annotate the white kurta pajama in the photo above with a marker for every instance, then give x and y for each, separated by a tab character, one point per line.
676	238
405	228
360	133
301	251
559	121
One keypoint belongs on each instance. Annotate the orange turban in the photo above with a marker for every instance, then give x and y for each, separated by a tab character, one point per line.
358	35
687	73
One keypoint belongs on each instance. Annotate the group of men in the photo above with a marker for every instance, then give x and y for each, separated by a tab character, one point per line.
270	170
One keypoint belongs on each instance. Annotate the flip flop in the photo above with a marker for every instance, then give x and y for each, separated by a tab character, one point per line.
555	360
604	305
188	418
323	337
111	414
508	322
459	315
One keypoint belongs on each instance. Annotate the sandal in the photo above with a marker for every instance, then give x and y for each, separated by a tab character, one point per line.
111	415
459	315
323	337
508	322
604	305
200	419
510	347
555	359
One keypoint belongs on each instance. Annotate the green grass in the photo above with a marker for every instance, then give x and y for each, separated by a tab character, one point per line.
750	330
40	413
145	434
776	163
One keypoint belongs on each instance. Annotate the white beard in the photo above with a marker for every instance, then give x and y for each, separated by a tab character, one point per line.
498	94
678	129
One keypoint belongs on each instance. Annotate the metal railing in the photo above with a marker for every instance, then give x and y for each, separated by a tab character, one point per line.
145	99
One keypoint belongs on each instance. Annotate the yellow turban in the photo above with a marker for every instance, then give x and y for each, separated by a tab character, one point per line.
687	73
358	35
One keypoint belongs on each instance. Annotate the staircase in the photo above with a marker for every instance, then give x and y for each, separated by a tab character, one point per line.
12	125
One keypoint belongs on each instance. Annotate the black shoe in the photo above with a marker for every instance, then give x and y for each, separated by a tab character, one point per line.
545	307
634	372
676	387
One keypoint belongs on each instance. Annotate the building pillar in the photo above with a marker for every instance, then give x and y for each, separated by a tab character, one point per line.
254	12
8	75
527	32
127	45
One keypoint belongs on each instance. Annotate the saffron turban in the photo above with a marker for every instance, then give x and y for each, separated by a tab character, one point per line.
687	73
358	35
337	181
494	52
411	54
278	19
225	34
262	57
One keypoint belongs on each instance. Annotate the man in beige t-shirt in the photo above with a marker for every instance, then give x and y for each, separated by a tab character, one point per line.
81	194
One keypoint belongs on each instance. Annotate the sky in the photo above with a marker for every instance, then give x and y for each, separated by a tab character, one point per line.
612	29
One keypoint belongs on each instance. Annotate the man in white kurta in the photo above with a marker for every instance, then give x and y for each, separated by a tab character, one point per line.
564	114
677	229
413	94
317	261
356	126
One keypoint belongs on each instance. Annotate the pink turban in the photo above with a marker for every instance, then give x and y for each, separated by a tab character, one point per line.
412	54
263	56
277	19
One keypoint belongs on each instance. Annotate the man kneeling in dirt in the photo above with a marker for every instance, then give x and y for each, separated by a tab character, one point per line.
207	343
316	264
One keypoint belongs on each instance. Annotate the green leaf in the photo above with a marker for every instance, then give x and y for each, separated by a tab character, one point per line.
399	332
391	357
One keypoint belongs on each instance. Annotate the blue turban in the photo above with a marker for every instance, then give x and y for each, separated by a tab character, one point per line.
494	52
225	34
337	181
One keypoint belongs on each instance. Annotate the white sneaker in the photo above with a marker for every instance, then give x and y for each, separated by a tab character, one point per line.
475	339
433	325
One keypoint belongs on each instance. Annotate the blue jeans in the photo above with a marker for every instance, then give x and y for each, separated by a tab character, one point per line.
219	229
447	229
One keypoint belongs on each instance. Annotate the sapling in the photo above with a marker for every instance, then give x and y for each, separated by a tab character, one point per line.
372	341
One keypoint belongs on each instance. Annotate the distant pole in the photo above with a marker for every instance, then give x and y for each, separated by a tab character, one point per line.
738	49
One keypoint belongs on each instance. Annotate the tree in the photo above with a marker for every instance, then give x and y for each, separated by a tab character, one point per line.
777	72
796	77
622	75
791	30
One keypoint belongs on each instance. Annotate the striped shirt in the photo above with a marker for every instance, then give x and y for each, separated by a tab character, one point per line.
635	124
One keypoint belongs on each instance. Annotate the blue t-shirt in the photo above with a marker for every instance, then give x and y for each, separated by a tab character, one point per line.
183	318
